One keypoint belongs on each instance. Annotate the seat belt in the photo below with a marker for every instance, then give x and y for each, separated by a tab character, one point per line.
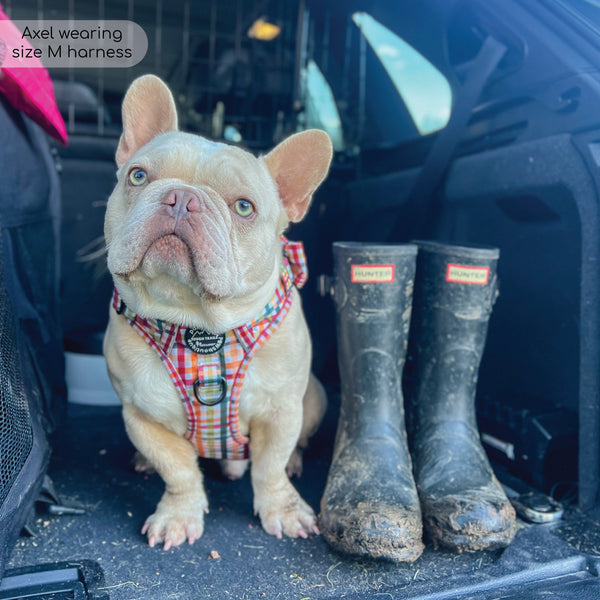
440	156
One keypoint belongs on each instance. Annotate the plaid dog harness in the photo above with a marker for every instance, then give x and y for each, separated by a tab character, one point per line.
208	369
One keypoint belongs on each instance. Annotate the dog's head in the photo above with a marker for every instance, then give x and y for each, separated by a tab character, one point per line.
193	226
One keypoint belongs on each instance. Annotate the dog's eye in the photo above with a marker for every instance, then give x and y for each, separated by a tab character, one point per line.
244	208
137	176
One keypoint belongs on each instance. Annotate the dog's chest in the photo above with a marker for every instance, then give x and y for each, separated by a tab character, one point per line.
208	370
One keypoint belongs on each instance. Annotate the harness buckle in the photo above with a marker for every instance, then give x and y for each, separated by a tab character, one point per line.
217	384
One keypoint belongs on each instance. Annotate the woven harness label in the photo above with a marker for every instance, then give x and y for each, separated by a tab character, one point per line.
208	369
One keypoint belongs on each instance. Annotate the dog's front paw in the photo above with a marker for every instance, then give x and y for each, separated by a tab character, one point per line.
176	520
289	516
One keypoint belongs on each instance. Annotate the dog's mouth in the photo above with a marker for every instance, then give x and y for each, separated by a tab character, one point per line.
168	254
170	247
195	252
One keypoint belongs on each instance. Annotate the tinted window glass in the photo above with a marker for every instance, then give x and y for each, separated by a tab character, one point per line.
424	90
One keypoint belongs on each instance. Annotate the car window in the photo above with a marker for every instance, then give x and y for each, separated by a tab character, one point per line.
424	90
320	106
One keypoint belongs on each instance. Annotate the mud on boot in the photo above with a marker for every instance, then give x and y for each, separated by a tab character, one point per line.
464	507
370	504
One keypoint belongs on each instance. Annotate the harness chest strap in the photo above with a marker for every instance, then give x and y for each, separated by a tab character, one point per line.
208	369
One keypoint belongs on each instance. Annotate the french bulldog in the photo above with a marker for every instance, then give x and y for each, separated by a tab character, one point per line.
202	274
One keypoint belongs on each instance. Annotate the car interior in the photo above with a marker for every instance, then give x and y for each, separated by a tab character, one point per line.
467	122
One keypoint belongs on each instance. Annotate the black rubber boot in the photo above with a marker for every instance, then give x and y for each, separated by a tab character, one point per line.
464	507
370	505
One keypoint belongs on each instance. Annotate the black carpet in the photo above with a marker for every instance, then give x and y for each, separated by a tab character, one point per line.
91	469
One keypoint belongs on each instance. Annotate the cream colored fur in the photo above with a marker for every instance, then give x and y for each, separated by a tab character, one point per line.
213	269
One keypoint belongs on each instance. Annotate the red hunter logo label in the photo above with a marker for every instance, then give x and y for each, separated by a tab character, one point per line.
372	274
467	274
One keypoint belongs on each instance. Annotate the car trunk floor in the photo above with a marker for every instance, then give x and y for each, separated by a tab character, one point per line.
92	469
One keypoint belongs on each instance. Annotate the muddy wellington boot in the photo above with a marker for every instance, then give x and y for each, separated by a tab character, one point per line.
370	505
464	507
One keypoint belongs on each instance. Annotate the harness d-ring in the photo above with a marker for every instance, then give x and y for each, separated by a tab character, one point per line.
198	385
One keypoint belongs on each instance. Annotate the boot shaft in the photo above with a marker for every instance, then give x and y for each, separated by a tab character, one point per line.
373	295
455	290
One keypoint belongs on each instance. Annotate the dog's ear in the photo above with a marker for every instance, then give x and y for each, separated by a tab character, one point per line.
298	165
148	110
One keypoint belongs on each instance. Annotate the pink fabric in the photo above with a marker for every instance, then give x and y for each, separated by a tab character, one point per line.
28	89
